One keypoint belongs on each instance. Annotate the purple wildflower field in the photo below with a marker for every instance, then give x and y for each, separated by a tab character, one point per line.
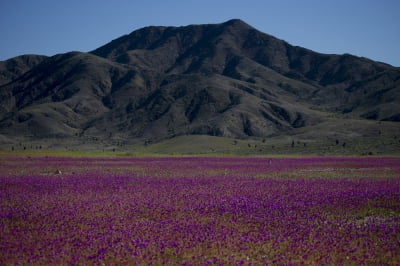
199	211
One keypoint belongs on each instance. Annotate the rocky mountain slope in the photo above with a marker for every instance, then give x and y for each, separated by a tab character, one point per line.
225	79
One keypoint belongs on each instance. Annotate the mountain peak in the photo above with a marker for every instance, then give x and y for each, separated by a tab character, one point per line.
236	22
188	39
226	79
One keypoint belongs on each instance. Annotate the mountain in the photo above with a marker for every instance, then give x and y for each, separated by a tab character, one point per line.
15	67
227	79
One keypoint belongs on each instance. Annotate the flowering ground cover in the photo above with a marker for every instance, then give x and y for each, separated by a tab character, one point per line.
199	211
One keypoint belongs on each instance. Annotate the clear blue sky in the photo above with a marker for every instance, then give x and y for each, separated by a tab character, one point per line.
369	28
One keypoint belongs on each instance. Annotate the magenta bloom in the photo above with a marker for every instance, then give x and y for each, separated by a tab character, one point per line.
206	211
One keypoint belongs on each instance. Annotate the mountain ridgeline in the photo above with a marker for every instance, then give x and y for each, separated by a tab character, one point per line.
156	83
